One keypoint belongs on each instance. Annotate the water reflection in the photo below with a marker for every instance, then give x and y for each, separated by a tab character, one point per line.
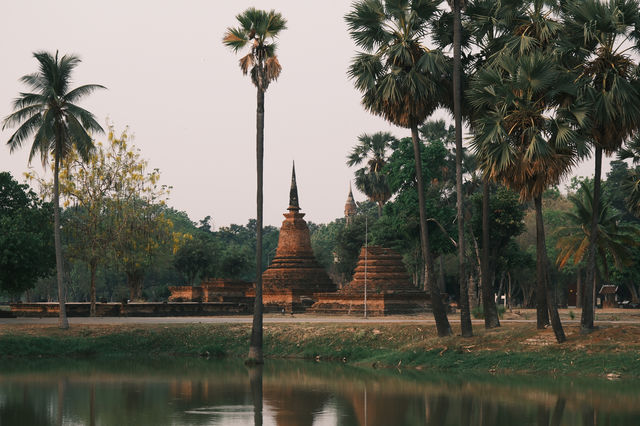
199	392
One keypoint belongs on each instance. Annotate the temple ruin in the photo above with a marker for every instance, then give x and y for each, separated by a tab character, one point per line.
389	289
294	274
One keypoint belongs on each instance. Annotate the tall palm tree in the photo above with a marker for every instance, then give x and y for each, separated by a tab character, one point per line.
370	179
58	126
597	38
615	238
399	80
527	140
465	313
257	30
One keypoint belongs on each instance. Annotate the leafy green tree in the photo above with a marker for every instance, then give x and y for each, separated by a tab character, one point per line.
26	237
628	182
400	227
399	80
595	38
257	30
59	127
370	179
196	257
506	221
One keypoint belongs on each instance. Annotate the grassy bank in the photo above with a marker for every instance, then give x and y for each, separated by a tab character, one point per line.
511	348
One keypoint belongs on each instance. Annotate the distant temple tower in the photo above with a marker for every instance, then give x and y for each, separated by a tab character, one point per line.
350	207
294	274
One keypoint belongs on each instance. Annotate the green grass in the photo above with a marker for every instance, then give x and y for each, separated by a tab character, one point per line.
382	346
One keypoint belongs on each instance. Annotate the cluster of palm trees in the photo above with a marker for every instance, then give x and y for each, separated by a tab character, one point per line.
545	84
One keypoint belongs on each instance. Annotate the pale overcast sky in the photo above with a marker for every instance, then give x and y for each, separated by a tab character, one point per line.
181	93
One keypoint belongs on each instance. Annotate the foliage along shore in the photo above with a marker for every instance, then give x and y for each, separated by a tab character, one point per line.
514	348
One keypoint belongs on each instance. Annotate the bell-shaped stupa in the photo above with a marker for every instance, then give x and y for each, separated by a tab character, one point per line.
294	274
381	275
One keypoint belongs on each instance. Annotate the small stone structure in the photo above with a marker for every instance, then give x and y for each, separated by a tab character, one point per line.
214	290
294	274
609	293
389	288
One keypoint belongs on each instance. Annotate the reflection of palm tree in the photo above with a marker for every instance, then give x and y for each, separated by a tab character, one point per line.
614	238
370	179
59	126
399	80
257	30
255	380
596	32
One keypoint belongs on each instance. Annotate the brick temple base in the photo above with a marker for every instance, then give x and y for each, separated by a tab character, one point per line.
388	287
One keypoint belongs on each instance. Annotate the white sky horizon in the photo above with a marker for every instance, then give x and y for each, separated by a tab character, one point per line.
192	112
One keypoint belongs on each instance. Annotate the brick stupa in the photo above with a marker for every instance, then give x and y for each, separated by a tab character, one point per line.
389	288
294	274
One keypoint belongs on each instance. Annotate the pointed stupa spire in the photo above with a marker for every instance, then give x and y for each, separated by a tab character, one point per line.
350	207
293	192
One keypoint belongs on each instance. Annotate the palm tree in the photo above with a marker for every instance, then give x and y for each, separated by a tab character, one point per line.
615	238
257	29
399	80
465	313
596	37
59	126
370	179
527	140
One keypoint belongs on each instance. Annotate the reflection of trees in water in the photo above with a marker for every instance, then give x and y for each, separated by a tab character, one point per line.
295	396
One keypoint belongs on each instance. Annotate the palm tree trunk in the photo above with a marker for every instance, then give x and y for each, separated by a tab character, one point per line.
63	323
542	311
586	320
579	287
465	313
491	319
255	345
93	266
379	209
438	307
542	272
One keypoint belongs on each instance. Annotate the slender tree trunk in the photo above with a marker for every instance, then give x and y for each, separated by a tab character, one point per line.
93	266
491	319
63	323
441	283
135	281
509	290
542	311
579	292
586	320
465	312
379	209
475	288
473	294
438	307
542	272
255	345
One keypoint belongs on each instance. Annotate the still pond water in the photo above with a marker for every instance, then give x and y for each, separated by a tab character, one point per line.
207	392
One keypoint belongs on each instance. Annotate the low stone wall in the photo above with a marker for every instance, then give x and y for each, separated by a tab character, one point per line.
185	293
142	309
